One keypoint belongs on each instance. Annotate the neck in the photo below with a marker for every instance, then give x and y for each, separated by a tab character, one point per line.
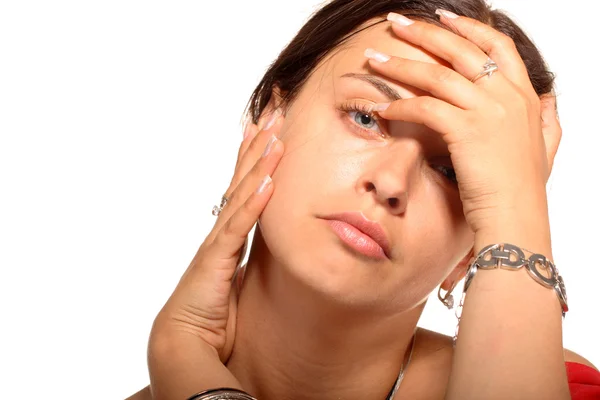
295	343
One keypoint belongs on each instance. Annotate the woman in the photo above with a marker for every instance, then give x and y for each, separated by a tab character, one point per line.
383	155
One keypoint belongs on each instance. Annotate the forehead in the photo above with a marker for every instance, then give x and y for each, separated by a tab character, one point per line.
349	57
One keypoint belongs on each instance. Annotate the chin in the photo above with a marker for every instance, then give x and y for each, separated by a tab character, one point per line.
335	275
315	258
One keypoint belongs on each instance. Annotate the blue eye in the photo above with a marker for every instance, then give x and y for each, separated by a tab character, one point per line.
365	121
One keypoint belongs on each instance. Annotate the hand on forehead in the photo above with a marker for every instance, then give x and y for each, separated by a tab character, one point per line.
350	57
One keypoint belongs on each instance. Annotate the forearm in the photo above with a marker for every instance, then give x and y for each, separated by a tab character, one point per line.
181	366
510	338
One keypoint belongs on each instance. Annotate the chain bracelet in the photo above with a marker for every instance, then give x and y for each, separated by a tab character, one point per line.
222	394
511	257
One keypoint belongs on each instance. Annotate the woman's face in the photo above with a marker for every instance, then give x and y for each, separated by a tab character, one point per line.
339	159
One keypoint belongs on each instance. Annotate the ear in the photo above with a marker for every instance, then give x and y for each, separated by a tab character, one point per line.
459	271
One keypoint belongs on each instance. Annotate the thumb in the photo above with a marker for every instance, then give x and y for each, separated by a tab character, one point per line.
551	129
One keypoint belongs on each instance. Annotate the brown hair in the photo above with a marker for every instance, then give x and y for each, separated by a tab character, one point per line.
338	21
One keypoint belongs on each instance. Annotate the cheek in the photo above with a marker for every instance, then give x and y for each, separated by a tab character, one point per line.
314	176
434	237
318	157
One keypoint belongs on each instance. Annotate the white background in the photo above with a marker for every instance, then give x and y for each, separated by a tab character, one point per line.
119	124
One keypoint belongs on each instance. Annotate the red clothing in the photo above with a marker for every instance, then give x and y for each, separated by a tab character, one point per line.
584	381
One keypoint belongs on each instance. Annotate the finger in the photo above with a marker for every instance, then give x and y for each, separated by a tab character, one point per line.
225	353
250	132
253	154
439	80
497	45
232	235
266	165
239	278
465	57
446	119
265	122
551	128
251	151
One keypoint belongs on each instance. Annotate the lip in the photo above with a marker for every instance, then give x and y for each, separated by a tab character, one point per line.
362	234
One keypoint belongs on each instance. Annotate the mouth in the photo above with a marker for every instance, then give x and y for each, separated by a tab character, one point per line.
360	234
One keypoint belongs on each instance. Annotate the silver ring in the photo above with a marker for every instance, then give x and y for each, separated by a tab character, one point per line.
488	69
217	209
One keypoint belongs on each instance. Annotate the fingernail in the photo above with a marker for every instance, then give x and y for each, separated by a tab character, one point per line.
380	107
549	112
264	184
399	19
269	146
376	55
272	120
247	126
446	13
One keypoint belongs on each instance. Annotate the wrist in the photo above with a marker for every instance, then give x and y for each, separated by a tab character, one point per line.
506	256
180	365
526	211
535	243
529	230
179	343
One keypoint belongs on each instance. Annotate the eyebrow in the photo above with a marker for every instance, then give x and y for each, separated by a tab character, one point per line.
380	85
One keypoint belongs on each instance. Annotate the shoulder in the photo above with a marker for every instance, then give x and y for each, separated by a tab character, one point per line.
433	352
432	343
571	356
143	394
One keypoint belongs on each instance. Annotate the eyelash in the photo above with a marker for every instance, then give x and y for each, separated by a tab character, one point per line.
452	172
363	108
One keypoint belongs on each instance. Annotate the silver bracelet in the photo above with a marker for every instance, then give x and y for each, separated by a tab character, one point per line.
222	394
511	257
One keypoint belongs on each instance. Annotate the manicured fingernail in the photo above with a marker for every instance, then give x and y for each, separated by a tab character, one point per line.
446	13
549	110
269	146
264	184
376	55
272	119
380	107
247	127
399	19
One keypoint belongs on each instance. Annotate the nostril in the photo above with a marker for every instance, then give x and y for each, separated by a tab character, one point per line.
393	202
370	187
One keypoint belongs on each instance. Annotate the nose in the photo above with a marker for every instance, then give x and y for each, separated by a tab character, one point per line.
387	192
389	179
